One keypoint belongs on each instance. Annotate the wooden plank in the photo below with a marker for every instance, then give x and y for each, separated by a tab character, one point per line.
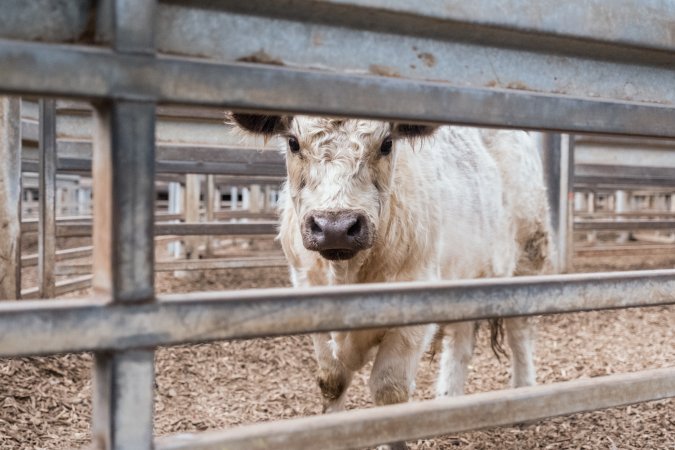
416	420
10	197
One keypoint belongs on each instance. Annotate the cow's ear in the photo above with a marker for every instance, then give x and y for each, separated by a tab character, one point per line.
406	130
260	124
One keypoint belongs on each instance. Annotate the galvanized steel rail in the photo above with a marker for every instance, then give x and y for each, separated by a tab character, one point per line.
517	68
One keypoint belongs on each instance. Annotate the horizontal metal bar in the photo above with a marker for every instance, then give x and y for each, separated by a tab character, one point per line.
175	229
218	228
612	214
31	225
626	250
61	255
69	229
102	74
172	112
614	175
71	253
237	214
45	20
407	41
31	328
62	287
581	225
185	153
633	23
636	24
409	421
75	156
191	264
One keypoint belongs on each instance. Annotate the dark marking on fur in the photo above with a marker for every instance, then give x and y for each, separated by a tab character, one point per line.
536	248
437	342
391	393
332	386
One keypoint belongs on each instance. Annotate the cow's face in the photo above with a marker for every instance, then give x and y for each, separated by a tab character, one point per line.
340	175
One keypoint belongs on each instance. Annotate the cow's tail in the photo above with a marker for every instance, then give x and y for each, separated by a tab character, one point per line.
497	337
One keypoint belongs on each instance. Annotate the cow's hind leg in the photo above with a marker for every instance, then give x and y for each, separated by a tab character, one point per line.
520	336
333	377
392	379
458	344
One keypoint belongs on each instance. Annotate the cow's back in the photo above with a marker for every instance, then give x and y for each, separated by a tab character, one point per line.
525	201
465	185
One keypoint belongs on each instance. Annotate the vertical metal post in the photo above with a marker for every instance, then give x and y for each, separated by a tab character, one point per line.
267	199
234	198
621	206
47	207
124	194
245	199
192	195
590	209
255	198
124	266
10	198
558	170
567	141
175	207
210	209
210	198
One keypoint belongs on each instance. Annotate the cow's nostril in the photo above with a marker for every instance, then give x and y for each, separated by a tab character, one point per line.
316	229
355	229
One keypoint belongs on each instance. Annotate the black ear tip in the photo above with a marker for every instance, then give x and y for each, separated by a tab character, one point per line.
258	123
413	131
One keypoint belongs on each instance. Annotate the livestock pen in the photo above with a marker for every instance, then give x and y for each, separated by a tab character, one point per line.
514	66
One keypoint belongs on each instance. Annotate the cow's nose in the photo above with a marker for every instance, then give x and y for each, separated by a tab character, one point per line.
336	234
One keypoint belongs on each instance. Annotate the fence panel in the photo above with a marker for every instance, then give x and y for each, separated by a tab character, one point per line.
517	70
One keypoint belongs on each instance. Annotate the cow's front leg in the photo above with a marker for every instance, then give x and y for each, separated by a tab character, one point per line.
393	377
458	343
520	336
333	377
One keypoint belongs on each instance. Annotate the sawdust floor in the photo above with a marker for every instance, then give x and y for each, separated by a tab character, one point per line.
45	402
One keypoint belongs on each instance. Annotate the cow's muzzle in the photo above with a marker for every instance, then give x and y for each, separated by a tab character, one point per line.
337	234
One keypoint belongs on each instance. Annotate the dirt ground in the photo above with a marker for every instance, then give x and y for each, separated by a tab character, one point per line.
45	402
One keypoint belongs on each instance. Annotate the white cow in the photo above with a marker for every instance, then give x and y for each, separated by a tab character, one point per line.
369	201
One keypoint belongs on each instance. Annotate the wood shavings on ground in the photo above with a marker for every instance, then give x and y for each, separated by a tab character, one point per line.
45	403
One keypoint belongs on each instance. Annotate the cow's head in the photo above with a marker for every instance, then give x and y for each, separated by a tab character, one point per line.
340	175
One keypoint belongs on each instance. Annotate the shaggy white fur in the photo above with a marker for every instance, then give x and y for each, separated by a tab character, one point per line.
458	203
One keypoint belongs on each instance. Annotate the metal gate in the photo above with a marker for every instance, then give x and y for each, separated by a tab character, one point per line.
594	66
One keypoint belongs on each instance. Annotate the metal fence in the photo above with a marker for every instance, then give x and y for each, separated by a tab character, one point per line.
190	141
582	66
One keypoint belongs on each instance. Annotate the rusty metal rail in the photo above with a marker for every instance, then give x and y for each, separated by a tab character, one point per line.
519	70
182	318
356	429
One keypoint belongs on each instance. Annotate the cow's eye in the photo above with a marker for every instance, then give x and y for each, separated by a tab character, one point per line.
293	144
386	146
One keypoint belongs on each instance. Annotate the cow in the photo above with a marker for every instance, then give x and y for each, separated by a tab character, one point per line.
372	201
